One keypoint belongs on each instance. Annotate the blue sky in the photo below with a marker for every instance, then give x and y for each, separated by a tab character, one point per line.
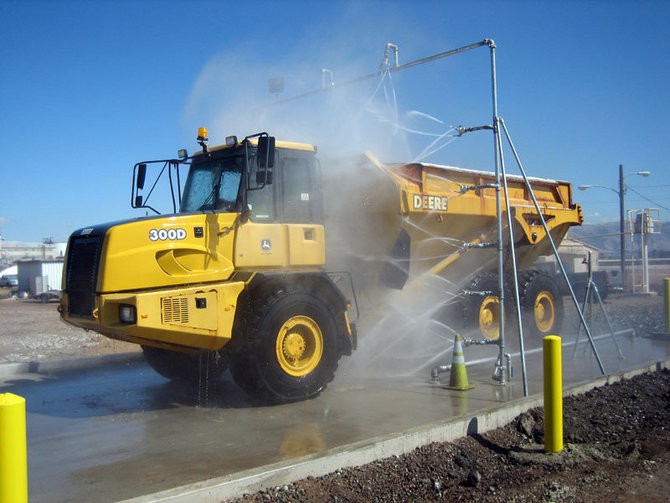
91	87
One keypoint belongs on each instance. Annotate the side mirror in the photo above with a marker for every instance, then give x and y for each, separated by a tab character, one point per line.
264	177
141	175
266	152
140	179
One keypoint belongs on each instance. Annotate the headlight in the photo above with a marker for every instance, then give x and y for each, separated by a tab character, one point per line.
127	313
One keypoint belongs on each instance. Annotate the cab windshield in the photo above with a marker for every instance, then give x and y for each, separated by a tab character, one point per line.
214	185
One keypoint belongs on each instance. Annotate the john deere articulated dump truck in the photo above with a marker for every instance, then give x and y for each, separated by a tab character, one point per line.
236	277
403	222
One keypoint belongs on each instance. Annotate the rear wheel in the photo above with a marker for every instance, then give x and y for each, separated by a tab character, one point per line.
541	303
482	307
184	367
290	350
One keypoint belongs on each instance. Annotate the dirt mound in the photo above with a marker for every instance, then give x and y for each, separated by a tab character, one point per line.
617	449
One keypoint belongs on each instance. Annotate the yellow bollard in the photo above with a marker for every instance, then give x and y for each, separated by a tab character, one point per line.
13	452
553	394
666	297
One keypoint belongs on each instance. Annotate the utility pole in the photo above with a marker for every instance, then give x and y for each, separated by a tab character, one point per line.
622	227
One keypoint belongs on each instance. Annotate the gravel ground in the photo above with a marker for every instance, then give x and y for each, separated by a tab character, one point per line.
617	449
33	331
617	437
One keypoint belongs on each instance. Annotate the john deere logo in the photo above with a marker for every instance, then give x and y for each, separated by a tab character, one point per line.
266	245
430	203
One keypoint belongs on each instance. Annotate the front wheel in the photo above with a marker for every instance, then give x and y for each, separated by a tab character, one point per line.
290	350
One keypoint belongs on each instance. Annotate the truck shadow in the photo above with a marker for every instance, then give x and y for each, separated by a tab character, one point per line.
120	388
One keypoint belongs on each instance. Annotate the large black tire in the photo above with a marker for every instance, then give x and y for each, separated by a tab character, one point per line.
290	350
541	304
184	367
481	312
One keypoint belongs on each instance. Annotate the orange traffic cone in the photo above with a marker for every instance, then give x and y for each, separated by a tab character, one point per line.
459	377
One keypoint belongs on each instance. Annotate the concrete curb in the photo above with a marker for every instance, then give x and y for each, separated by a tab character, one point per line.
79	363
360	453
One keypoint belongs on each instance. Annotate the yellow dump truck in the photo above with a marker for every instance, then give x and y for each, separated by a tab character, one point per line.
236	275
397	222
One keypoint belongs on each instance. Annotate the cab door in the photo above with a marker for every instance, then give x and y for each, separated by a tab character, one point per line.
285	223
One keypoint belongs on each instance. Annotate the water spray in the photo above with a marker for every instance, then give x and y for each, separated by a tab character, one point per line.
506	216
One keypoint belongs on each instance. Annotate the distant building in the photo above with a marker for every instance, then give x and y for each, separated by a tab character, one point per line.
13	251
574	256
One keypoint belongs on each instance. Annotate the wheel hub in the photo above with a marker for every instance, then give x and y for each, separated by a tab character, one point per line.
299	346
544	312
294	345
489	315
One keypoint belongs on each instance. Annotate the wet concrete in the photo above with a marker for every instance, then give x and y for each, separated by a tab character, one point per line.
121	431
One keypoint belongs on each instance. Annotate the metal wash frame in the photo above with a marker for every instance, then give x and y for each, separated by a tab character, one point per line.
502	371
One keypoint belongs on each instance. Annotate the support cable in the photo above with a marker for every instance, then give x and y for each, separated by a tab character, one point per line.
553	246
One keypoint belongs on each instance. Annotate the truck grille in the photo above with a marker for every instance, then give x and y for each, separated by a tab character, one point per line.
175	309
82	274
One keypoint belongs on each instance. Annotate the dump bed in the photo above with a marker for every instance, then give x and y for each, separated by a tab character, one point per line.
401	220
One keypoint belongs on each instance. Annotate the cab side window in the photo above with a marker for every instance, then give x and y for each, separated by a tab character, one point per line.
298	198
261	202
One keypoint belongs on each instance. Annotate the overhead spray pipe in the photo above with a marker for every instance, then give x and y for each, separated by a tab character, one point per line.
378	73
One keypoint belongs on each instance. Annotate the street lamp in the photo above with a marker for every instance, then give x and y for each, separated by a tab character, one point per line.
622	216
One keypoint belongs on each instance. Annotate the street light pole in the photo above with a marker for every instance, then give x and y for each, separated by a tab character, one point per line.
622	227
622	216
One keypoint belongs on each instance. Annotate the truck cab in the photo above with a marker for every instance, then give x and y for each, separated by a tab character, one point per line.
234	274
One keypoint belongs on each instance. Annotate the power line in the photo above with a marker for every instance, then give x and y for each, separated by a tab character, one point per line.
647	186
647	199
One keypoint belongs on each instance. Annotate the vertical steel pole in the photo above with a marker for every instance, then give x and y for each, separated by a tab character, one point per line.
666	292
500	169
644	228
500	371
512	259
622	227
